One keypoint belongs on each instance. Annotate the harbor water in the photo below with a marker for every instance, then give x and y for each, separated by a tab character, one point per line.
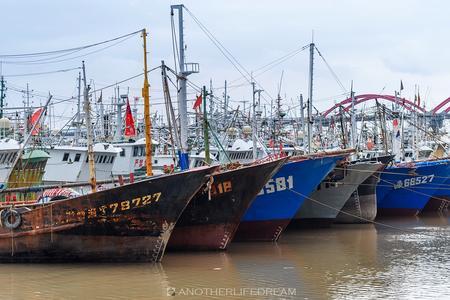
398	259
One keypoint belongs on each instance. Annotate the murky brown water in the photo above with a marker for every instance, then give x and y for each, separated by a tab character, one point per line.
344	262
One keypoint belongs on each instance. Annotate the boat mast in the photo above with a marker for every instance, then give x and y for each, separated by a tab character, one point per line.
353	118
302	119
120	103
310	95
182	99
255	153
2	94
78	130
225	101
90	138
146	96
205	127
186	69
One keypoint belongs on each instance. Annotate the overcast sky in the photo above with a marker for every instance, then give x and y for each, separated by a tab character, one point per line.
374	43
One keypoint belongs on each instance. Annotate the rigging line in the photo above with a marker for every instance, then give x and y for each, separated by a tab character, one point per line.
42	59
176	54
274	63
381	185
23	90
49	61
437	186
331	70
411	190
69	49
109	86
390	113
43	73
429	186
199	89
364	219
219	45
222	49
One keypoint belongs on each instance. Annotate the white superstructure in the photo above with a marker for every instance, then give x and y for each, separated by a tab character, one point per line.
8	153
131	157
70	163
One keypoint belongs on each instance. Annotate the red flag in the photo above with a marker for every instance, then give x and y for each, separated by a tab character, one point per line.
34	119
395	122
197	102
370	144
130	130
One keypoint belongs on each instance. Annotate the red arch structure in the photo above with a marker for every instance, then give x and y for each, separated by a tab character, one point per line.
409	105
441	105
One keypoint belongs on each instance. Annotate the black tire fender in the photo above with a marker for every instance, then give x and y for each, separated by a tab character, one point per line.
11	219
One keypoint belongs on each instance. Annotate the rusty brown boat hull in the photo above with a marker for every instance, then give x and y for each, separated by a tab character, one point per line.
127	223
213	216
267	230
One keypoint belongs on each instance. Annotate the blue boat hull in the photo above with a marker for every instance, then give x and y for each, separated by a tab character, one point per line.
276	205
406	189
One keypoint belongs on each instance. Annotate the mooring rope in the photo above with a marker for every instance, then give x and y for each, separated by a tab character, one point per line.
365	219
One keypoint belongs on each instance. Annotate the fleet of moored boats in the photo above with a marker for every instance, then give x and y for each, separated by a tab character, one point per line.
98	199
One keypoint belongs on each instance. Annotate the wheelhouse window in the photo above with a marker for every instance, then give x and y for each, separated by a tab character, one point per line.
77	157
66	156
122	153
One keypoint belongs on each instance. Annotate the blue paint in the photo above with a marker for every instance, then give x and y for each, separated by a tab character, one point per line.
393	192
183	160
303	176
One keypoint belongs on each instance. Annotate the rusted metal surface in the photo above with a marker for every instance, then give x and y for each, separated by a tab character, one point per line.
127	223
211	219
264	231
437	204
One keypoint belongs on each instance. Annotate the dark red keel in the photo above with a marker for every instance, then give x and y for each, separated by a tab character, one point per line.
260	231
391	212
311	223
202	237
437	204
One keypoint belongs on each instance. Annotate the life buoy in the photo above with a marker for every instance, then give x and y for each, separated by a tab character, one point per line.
11	219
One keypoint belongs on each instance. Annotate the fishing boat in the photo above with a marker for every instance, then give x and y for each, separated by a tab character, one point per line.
212	217
361	207
325	203
27	171
132	222
405	189
277	204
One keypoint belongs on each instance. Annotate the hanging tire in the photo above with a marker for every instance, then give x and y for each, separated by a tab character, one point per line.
11	219
2	212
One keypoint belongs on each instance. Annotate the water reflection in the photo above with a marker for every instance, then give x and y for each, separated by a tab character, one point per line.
408	258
